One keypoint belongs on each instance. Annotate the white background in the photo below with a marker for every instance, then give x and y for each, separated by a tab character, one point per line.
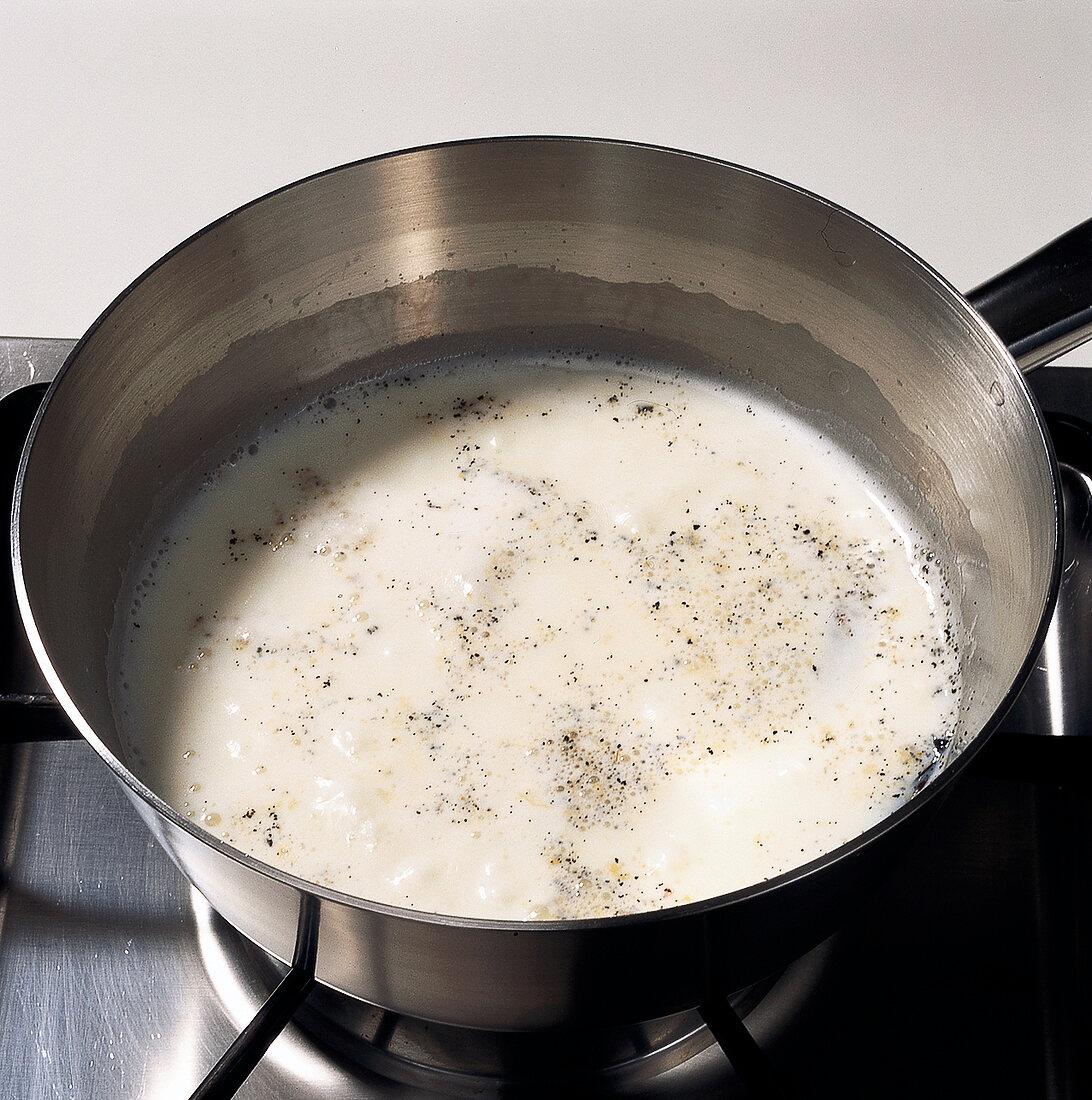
964	128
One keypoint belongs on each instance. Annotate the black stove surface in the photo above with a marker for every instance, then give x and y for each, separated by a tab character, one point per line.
966	974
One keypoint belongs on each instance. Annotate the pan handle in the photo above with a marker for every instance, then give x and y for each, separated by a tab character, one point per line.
1042	307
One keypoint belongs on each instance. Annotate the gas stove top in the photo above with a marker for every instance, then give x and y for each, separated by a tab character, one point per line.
965	975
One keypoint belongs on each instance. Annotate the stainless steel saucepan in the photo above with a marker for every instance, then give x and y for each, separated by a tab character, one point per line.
519	244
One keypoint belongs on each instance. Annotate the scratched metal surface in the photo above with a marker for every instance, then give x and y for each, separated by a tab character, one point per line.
117	982
23	361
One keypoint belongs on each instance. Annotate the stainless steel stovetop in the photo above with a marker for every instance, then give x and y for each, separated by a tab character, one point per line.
966	975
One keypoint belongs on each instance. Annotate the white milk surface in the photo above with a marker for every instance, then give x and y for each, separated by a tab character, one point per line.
524	641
